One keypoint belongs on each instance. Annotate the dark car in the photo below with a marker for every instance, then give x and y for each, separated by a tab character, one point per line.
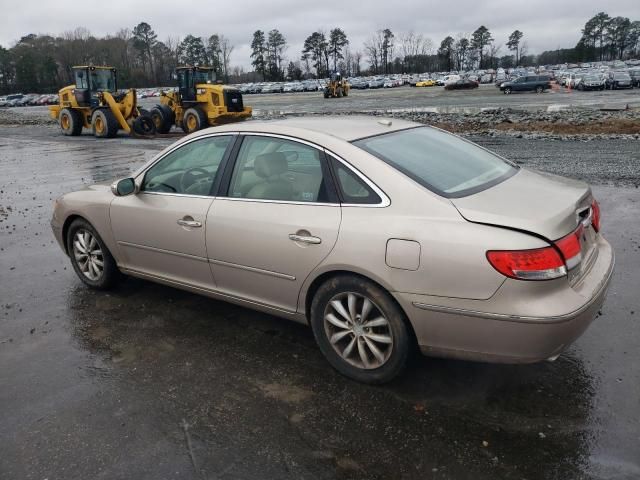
463	84
616	80
527	83
634	73
591	82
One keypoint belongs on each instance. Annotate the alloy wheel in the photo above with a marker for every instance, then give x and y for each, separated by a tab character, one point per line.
358	330
88	255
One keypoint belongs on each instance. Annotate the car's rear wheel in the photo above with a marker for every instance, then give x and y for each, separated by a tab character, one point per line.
539	89
91	259
360	329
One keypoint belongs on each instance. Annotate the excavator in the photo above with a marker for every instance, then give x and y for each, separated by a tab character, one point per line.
94	102
198	102
337	87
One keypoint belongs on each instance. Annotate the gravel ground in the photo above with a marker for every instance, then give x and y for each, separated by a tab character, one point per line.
554	115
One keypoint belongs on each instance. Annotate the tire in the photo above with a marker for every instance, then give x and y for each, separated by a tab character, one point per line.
393	340
507	91
104	123
539	89
163	118
70	122
93	276
580	87
194	119
144	125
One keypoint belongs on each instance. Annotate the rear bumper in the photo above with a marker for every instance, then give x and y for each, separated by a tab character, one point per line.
517	325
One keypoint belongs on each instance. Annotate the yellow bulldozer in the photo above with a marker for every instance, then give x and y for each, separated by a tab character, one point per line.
198	102
94	102
337	87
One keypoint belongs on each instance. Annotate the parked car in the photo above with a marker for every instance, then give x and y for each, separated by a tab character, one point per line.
634	73
462	84
358	84
426	83
592	81
376	83
618	79
529	83
377	233
450	79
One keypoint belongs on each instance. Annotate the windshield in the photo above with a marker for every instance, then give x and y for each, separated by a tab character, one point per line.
203	76
442	162
621	76
102	80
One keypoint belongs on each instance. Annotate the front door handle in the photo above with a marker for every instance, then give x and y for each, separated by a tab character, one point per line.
189	222
305	239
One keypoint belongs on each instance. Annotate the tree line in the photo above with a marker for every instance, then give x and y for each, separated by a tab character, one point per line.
42	63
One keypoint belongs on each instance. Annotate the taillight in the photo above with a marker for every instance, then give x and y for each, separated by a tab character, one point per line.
595	216
571	248
536	264
540	263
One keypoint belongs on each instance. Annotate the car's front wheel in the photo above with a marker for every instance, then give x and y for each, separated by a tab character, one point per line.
507	91
360	329
91	259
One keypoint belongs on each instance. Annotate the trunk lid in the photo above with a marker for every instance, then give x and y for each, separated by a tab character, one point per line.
540	203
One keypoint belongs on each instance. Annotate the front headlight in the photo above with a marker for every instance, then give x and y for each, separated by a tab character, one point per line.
502	84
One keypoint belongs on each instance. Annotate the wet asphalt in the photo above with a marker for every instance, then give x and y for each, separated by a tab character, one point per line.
150	382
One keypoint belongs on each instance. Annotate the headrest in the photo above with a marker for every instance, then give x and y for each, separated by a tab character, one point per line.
269	164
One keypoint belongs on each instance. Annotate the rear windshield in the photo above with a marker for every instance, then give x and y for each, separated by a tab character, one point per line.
442	162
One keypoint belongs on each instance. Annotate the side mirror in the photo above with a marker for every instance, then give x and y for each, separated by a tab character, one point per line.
123	187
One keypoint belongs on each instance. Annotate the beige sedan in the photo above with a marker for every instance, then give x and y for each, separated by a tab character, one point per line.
382	235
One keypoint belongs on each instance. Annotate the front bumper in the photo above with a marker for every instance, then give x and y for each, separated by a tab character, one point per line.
524	322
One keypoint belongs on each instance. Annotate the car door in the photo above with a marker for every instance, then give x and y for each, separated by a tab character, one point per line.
279	219
160	230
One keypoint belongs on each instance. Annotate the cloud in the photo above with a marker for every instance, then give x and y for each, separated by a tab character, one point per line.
547	24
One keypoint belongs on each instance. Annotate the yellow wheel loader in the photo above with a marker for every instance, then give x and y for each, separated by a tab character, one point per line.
337	87
94	102
198	102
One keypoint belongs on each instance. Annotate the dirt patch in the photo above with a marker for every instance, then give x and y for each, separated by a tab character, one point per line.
285	393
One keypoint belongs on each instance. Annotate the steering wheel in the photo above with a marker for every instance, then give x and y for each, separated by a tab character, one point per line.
193	177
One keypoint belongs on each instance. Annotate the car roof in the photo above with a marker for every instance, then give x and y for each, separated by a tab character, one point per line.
345	127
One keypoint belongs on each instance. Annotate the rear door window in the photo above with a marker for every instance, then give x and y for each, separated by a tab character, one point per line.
271	168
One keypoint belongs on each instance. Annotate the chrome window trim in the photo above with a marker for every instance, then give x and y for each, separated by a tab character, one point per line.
385	200
206	197
284	202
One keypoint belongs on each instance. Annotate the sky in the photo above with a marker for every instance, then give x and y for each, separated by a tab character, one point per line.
547	24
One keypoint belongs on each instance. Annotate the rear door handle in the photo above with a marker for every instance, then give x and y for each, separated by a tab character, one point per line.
305	239
189	222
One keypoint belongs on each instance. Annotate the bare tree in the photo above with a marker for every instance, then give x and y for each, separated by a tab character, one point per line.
225	48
